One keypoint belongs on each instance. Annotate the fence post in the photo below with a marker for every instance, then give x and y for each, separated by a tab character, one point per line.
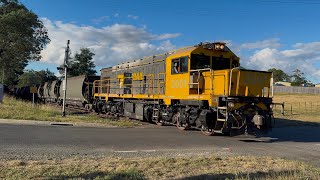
291	109
305	106
282	108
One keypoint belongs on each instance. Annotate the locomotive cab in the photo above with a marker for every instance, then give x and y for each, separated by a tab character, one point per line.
240	99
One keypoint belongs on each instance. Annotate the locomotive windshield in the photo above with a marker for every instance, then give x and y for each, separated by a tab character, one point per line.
219	63
199	61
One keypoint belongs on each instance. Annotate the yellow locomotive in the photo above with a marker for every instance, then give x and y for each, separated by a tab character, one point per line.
201	87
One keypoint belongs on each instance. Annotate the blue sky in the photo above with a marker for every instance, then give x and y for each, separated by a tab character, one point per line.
264	33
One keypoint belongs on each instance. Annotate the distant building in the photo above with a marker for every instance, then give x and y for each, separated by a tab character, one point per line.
282	83
317	85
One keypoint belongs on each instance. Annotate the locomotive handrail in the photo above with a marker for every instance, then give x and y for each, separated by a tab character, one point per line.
112	83
101	85
198	78
231	79
196	70
159	83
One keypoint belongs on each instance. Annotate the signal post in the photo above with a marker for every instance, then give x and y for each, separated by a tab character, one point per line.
64	83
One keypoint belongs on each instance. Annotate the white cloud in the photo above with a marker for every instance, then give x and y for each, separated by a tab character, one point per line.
111	44
133	16
116	15
303	56
167	36
268	43
100	19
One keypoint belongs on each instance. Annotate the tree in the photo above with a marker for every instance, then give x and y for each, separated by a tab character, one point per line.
32	78
298	78
22	37
82	63
279	75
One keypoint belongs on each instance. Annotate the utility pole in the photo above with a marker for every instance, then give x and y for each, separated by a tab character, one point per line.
64	85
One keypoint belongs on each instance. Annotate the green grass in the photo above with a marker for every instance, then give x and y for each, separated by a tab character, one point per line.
23	110
195	167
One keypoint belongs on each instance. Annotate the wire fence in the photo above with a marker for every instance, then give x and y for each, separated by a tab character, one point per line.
296	108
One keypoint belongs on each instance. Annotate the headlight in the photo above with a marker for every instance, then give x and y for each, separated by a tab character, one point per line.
231	104
271	106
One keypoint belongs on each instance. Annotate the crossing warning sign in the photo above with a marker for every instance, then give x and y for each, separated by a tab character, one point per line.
33	89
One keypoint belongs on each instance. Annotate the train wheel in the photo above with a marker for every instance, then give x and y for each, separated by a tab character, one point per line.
180	125
207	131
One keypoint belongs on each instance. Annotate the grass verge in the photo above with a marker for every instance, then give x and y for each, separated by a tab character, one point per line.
18	109
196	167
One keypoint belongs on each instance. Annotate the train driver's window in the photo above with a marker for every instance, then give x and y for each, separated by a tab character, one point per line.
179	65
175	66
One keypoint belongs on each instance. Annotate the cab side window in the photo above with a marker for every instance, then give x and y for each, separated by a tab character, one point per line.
175	66
179	65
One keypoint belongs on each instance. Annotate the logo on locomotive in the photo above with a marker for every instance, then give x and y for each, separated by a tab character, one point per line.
178	83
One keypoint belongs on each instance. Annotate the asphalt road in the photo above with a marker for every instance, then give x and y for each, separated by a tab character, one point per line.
39	141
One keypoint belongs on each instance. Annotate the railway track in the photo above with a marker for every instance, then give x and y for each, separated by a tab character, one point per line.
86	111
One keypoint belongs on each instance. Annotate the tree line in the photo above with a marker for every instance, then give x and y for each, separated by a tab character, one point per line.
297	77
82	63
22	38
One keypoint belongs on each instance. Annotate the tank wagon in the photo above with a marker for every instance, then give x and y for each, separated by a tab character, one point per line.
201	87
79	90
49	91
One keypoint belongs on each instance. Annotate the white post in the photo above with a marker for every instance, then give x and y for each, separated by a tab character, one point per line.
271	83
64	85
64	88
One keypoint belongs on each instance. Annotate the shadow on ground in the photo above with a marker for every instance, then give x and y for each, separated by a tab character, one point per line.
255	175
134	175
284	122
78	113
291	130
296	131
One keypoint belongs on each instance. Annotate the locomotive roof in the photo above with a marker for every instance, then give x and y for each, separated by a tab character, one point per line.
151	59
162	57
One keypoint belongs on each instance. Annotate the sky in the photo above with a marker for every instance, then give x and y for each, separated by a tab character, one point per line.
265	34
